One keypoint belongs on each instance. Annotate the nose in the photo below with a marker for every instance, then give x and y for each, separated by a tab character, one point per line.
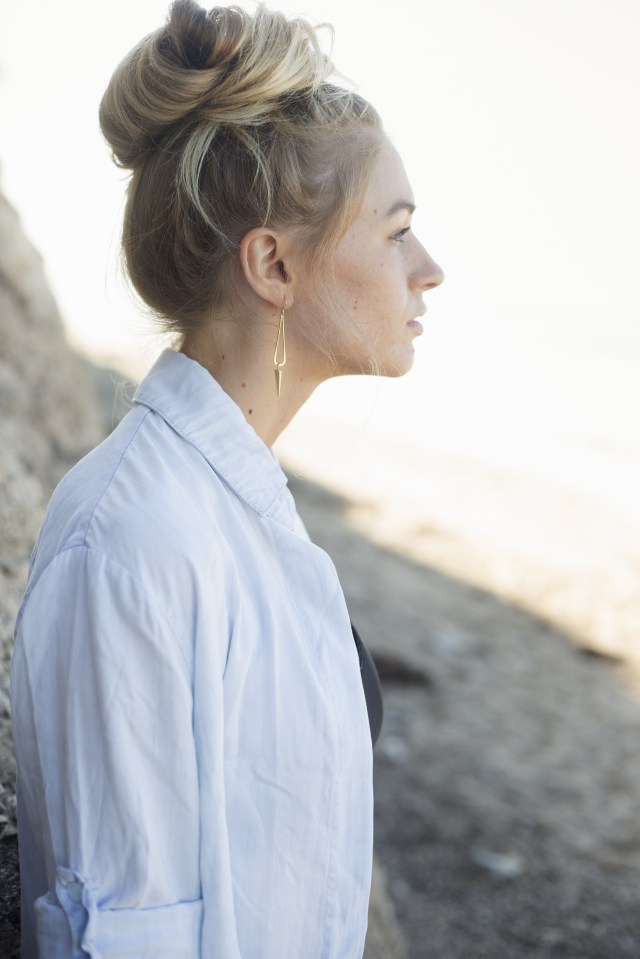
427	274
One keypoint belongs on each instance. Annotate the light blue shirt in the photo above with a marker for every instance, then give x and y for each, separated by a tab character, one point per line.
194	756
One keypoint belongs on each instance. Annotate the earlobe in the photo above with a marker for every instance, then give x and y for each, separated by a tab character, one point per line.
262	259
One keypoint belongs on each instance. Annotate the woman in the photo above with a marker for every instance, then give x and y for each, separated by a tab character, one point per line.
194	755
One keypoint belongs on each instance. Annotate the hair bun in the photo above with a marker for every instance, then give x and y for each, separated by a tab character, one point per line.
222	67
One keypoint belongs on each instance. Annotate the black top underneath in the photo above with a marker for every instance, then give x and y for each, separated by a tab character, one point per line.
371	686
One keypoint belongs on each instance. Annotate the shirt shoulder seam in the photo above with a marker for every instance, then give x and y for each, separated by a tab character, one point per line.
109	482
31	583
109	560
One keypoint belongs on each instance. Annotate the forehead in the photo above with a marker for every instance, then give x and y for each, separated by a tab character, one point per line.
388	184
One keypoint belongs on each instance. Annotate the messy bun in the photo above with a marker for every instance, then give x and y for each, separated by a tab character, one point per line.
227	121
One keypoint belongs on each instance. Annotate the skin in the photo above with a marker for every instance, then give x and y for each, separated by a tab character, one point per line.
381	272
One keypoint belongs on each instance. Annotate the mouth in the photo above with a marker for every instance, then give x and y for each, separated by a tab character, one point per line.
415	326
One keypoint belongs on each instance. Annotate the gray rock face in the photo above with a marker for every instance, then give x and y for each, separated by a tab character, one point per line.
49	419
385	939
52	413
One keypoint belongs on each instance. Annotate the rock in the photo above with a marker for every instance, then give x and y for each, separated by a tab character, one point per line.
504	865
384	936
49	419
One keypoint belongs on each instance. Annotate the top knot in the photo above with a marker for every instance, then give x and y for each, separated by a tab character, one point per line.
222	67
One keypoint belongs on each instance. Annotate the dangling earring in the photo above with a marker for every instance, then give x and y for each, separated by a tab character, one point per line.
280	363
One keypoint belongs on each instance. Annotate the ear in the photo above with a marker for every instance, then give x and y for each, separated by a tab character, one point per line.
263	254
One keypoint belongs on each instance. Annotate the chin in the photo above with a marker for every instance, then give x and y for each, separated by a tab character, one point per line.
397	367
389	366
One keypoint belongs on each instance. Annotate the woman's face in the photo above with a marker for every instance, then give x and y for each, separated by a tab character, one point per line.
381	273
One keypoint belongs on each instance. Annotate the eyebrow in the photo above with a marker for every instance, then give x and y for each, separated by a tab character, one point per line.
401	205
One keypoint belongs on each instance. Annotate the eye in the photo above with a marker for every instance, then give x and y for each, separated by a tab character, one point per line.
398	237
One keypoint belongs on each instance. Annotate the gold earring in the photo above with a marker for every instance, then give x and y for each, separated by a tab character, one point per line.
280	363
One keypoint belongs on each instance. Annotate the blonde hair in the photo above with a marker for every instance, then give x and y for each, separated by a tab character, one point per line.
227	122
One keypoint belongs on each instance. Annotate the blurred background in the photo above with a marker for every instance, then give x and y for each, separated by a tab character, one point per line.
485	507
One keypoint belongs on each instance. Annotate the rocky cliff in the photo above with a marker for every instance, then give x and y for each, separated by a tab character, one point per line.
49	419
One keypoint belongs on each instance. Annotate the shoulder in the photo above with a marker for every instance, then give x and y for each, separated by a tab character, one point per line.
147	501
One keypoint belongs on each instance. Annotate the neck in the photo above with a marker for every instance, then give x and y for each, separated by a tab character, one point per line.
243	366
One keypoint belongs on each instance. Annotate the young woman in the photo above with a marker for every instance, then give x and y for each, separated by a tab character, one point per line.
194	753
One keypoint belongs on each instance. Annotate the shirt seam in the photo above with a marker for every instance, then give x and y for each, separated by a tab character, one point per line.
151	596
32	583
110	481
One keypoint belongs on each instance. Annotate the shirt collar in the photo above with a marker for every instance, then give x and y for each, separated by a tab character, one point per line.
194	404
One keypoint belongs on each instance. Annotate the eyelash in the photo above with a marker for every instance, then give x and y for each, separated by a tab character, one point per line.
398	237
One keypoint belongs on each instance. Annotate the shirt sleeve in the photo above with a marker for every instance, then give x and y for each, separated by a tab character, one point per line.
103	728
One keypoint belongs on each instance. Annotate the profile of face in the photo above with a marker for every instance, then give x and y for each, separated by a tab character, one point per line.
381	273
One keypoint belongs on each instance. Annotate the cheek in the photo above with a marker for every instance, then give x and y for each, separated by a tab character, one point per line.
363	289
377	296
356	268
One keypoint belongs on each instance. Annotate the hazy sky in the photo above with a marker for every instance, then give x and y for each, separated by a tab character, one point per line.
517	119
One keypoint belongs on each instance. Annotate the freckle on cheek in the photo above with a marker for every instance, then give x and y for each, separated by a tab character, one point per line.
250	412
